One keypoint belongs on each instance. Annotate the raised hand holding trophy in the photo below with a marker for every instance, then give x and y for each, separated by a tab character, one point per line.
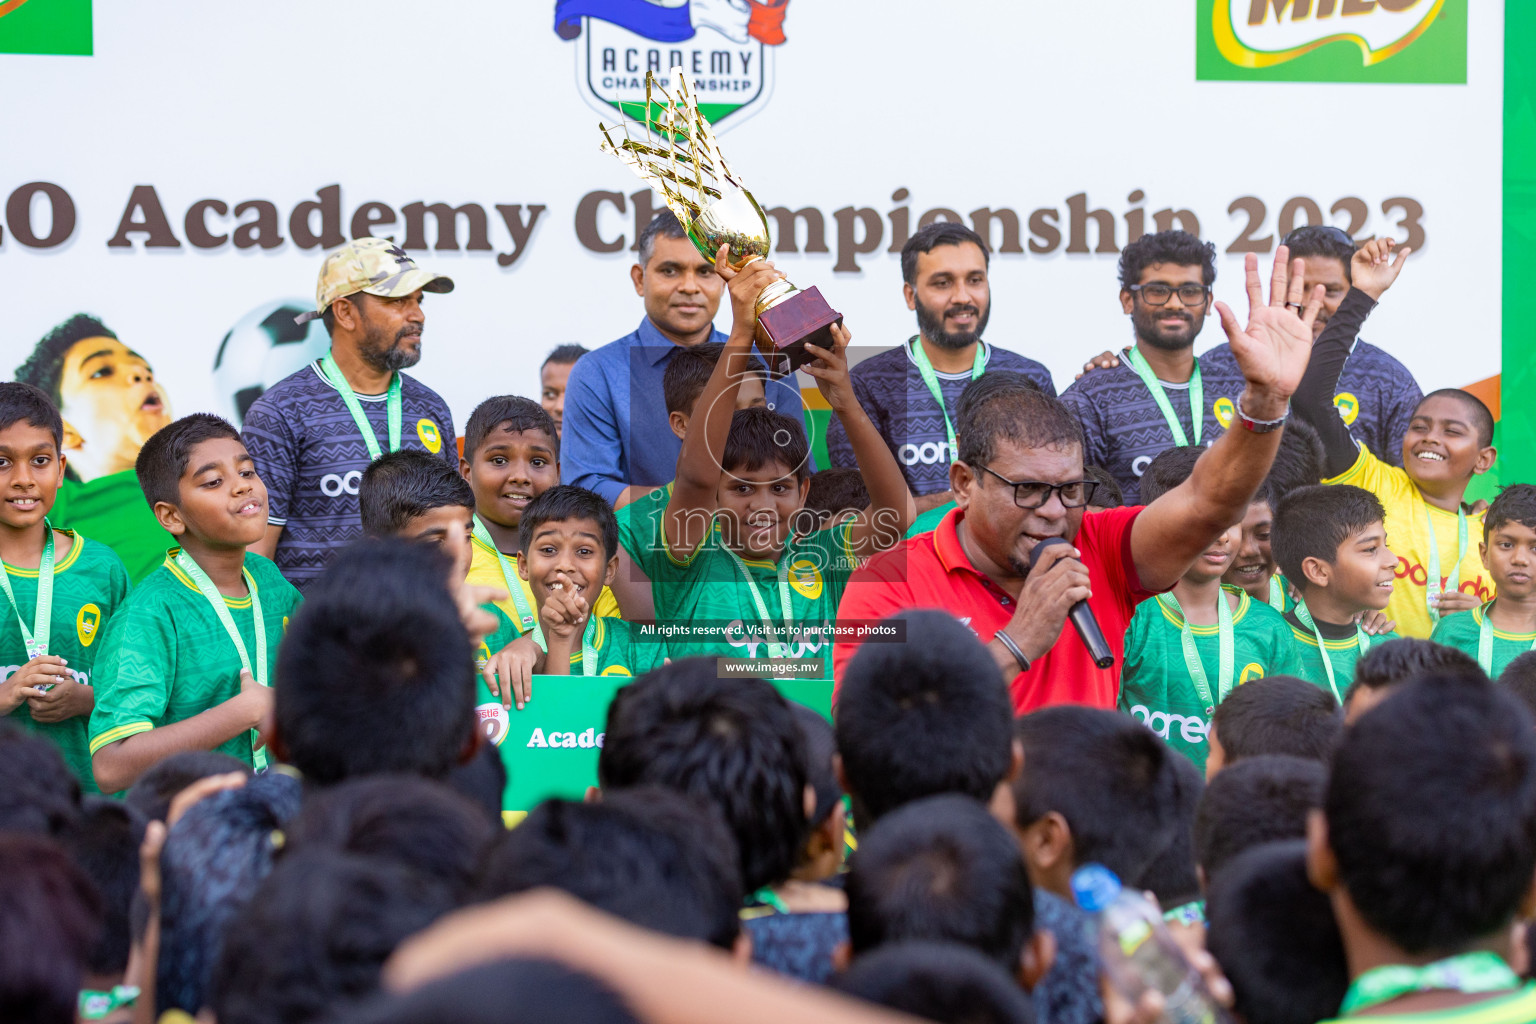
686	166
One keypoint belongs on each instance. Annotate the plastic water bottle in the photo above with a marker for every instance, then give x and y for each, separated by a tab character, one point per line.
1137	952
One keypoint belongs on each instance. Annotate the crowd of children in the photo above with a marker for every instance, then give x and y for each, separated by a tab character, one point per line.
224	800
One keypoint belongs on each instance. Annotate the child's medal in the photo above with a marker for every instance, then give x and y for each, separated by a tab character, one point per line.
36	638
1225	660
1362	640
1432	599
510	578
221	610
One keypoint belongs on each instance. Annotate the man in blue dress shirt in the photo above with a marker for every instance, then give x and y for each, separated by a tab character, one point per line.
615	439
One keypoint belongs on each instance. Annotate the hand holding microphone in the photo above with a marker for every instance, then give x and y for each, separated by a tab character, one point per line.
1056	589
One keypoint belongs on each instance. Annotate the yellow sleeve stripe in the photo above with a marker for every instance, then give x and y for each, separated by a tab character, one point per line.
666	546
120	732
1356	469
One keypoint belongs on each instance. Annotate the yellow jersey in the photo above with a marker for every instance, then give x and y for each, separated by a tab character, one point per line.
485	571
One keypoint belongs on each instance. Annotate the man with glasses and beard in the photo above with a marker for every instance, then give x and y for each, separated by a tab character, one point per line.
1133	411
313	433
910	391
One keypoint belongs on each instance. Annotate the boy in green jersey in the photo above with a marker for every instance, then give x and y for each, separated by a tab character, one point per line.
1187	649
1330	541
1426	848
736	574
186	662
60	588
1504	628
414	495
640	541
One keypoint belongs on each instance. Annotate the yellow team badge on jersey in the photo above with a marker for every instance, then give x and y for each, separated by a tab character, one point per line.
430	435
1251	671
1225	411
87	622
1348	406
615	670
805	578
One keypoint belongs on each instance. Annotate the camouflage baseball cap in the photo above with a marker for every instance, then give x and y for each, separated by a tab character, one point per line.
373	265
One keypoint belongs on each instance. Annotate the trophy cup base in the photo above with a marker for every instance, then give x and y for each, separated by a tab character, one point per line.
784	329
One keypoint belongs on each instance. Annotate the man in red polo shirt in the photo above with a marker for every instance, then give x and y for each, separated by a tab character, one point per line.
1018	480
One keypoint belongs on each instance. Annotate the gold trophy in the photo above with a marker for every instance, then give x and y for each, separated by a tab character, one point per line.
710	200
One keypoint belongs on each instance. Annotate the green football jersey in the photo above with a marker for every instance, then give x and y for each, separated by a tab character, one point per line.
1341	654
1156	687
640	528
166	657
111	510
929	521
89	583
709	609
1517	1007
1462	630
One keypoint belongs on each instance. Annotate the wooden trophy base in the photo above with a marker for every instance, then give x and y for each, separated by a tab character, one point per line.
785	329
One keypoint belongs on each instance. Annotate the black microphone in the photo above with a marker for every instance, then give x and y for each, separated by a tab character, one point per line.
1080	615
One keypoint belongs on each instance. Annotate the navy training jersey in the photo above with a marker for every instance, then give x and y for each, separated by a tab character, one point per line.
892	392
1376	396
311	457
1124	430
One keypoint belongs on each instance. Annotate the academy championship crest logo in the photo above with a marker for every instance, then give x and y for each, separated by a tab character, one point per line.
725	46
1332	40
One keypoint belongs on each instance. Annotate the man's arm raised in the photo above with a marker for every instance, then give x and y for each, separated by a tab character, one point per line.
1272	353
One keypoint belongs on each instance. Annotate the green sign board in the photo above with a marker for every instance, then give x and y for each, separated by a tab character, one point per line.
1331	41
46	27
550	747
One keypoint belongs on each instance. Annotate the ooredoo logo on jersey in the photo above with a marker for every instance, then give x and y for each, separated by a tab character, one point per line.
1332	41
726	47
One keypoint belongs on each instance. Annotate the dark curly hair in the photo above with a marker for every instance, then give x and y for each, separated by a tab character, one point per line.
1177	247
45	366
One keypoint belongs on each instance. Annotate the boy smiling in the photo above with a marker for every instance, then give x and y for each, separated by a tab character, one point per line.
1502	629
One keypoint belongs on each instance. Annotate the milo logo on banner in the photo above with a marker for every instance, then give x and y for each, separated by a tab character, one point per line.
1332	41
725	46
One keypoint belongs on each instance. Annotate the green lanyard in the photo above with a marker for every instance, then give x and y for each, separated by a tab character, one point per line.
36	638
931	379
588	652
336	379
214	598
1362	640
775	650
1433	583
1276	593
1196	397
1225	661
96	1005
1469	972
513	582
1485	640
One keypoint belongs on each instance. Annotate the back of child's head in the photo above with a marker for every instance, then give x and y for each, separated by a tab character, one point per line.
512	413
820	753
1390	664
398	487
1171	876
761	438
152	793
1258	800
1108	493
564	355
482	780
648	855
1515	504
50	917
213	862
1275	938
922	716
564	503
1298	461
416	823
164	457
500	992
1168	470
1108	776
731	742
38	792
1431	811
23	403
835	491
315	936
376	674
1519	679
1313	522
937	981
104	843
1277	715
1479	416
688	371
941	869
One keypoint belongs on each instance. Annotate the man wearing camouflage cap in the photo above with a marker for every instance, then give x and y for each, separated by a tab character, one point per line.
313	433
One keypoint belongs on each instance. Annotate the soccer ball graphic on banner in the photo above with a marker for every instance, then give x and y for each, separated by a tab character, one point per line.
261	349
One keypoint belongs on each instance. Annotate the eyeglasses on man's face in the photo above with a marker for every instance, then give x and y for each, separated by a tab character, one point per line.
1035	493
1158	294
